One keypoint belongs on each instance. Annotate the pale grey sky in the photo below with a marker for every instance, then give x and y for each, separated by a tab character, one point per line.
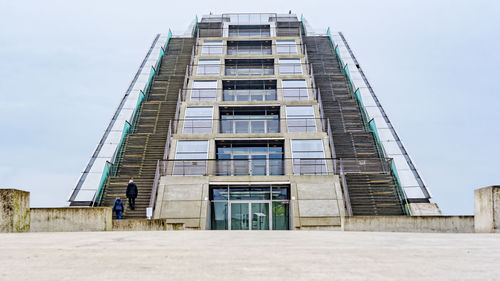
64	65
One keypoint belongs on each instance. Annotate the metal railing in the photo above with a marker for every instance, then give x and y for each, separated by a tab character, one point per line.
249	50
249	125
273	167
251	69
290	93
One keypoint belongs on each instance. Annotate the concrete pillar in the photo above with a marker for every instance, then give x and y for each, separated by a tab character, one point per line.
14	210
487	209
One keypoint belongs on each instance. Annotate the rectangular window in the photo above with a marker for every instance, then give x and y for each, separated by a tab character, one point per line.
249	31
249	90
211	48
245	120
208	67
295	90
250	158
198	120
300	119
290	66
286	47
308	157
249	67
249	48
190	158
204	90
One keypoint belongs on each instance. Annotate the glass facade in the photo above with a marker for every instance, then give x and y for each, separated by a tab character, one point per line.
250	158
238	121
250	207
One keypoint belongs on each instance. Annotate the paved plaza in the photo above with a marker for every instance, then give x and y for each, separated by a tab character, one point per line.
224	255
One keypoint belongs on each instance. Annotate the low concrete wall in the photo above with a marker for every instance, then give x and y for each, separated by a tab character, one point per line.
14	210
450	224
71	219
140	225
487	209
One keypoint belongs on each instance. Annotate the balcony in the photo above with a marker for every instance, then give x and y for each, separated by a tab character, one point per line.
249	31
253	67
252	125
273	167
249	90
249	48
255	125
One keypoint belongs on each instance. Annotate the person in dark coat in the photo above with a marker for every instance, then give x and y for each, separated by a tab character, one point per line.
118	208
131	193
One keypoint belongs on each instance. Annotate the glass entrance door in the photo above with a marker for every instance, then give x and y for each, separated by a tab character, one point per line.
239	216
260	216
250	216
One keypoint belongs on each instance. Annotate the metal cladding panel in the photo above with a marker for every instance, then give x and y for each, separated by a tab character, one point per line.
114	137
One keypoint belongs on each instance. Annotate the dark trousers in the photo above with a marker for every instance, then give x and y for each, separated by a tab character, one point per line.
131	202
118	215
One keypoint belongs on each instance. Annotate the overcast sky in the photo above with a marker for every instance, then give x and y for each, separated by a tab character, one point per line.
435	65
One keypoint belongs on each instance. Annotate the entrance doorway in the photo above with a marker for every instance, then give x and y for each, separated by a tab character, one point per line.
249	207
250	215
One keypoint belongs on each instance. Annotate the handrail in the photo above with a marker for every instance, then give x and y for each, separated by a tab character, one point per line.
110	168
156	183
369	124
273	166
345	190
386	119
112	122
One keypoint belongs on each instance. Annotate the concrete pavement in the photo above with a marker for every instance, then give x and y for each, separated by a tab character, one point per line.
223	255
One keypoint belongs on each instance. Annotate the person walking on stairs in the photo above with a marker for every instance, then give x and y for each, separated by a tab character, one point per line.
131	193
118	208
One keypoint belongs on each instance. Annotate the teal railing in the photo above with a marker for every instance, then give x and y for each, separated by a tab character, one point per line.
111	168
195	27
402	196
371	123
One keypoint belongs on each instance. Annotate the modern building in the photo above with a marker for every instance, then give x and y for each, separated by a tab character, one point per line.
253	122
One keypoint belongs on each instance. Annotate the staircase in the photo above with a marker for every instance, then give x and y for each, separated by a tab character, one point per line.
369	193
145	145
373	195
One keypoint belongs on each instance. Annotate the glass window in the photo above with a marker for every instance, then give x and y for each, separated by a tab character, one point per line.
198	120
280	215
249	31
286	47
188	149
186	158
307	149
308	157
290	66
242	158
204	90
300	119
208	67
211	48
219	193
295	90
250	207
219	215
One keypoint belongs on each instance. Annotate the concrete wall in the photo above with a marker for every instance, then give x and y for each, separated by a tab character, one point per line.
316	201
181	200
487	209
425	209
318	204
14	210
71	219
451	224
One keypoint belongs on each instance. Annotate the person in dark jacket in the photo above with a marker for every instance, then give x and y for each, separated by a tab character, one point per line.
118	208
131	193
